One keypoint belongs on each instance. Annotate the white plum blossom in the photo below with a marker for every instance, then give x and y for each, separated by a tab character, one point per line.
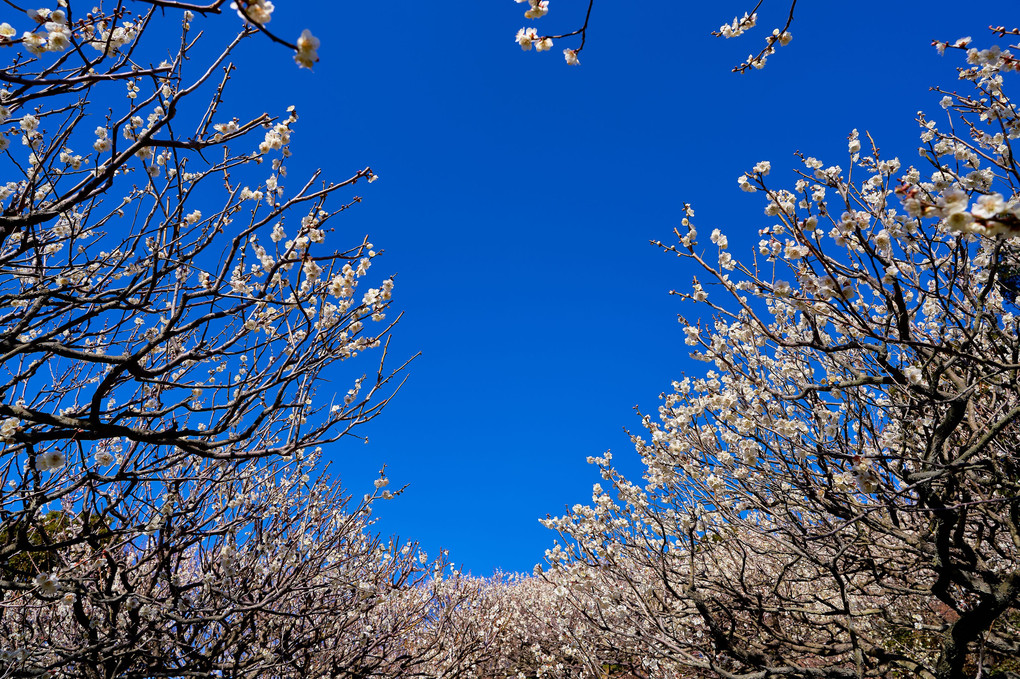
525	38
913	374
8	428
104	458
307	50
48	584
50	461
988	206
854	145
536	9
738	26
719	238
781	288
259	11
33	42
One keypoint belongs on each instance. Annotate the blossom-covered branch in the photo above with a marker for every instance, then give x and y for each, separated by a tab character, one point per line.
529	37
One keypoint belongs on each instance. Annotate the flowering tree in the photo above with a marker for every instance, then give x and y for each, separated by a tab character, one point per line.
837	496
168	308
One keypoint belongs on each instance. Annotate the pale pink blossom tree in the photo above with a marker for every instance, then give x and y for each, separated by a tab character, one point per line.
170	301
838	494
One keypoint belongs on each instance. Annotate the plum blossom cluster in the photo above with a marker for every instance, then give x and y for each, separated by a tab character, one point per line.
528	37
104	38
57	34
960	189
738	26
260	13
50	461
49	31
780	37
536	8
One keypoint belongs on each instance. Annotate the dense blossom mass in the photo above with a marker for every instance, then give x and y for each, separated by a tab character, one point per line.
834	495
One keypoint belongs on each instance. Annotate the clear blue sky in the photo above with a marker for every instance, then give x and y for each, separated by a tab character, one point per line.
517	198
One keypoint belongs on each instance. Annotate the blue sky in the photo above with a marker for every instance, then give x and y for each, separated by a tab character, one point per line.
516	203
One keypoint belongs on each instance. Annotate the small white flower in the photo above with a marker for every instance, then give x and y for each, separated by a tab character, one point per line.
307	46
867	479
538	9
8	428
48	584
50	461
988	206
259	11
913	374
525	37
33	42
719	239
